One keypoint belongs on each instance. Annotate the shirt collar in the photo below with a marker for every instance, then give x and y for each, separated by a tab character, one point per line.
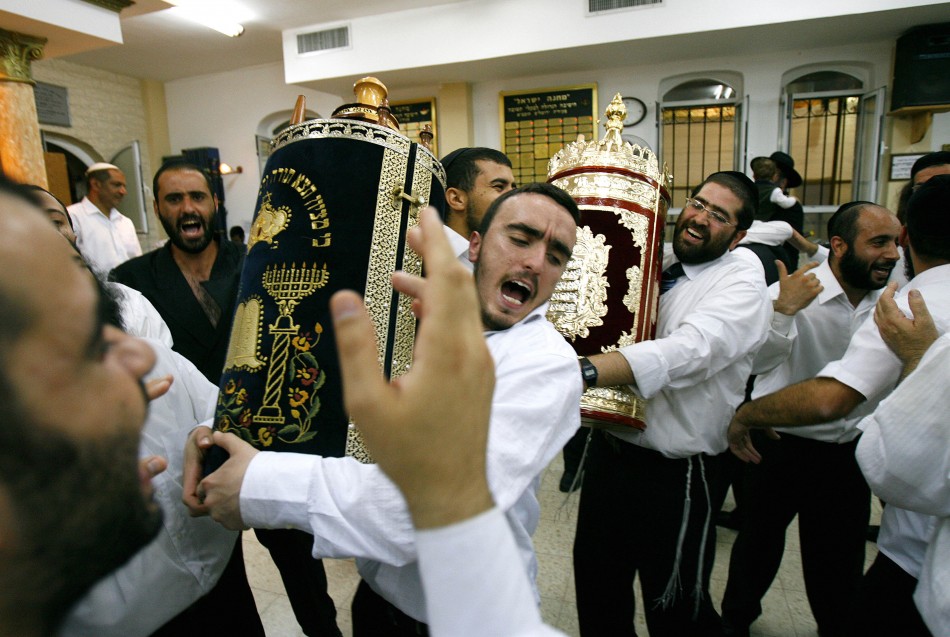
538	313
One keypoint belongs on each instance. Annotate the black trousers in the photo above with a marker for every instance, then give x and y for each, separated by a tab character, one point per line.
821	483
373	616
227	609
304	580
630	520
886	603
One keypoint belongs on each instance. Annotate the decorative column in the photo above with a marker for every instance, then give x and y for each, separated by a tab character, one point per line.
21	152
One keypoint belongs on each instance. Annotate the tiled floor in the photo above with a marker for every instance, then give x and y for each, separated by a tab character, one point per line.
786	612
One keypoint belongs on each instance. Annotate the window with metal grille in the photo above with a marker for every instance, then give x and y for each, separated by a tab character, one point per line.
823	111
700	125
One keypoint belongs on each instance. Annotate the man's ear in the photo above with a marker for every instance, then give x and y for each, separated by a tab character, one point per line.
902	239
838	247
456	199
474	246
740	235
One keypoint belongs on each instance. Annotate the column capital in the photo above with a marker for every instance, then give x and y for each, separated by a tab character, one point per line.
17	51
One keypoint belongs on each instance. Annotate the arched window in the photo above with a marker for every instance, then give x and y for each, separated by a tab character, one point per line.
832	128
700	119
822	117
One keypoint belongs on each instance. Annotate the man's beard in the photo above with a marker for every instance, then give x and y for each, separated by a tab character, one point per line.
857	272
192	246
80	514
702	253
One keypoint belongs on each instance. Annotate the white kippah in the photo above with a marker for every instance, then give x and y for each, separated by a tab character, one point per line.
100	165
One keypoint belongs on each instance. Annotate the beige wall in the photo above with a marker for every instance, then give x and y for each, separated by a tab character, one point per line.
108	112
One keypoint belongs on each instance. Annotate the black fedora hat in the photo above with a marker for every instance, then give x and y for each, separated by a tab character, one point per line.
786	164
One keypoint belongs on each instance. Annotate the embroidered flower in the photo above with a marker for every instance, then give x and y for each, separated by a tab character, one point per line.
298	397
241	397
318	328
265	436
230	387
301	343
307	375
245	419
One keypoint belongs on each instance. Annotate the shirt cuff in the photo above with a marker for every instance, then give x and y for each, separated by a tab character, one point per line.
273	495
651	370
782	323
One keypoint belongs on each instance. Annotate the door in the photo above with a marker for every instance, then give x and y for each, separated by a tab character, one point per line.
129	161
869	150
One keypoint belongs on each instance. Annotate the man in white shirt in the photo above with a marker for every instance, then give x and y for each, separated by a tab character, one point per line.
868	370
474	178
903	454
352	509
104	235
429	434
645	507
815	315
72	504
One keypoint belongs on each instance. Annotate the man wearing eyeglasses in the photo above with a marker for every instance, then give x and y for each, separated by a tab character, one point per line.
646	507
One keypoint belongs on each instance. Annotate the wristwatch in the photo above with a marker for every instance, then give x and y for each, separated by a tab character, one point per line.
588	372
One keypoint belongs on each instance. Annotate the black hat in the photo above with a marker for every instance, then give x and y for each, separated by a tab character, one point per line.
786	164
939	158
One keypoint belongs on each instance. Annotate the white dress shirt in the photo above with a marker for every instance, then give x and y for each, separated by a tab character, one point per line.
799	346
104	242
905	456
189	554
694	374
459	247
354	510
904	536
869	366
474	584
139	316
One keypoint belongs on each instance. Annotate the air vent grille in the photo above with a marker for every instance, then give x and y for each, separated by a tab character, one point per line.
596	6
338	38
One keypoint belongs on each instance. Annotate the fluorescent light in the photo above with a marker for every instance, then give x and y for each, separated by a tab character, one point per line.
213	14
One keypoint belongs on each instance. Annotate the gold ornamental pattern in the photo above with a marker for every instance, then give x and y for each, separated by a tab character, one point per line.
635	284
579	301
615	400
609	186
244	349
360	131
384	247
405	335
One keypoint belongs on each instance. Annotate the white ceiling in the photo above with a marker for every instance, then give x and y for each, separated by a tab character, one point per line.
161	47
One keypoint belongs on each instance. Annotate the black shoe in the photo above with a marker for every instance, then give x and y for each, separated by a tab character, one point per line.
568	484
734	630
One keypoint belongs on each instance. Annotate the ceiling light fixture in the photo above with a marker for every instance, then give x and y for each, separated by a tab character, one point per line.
210	13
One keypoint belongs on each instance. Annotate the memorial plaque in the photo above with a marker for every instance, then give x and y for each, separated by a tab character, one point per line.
413	116
536	124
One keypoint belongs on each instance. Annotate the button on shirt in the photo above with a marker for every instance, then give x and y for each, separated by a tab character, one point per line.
354	510
799	346
694	373
104	242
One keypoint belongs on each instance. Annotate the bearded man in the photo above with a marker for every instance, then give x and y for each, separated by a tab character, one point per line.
817	310
646	507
